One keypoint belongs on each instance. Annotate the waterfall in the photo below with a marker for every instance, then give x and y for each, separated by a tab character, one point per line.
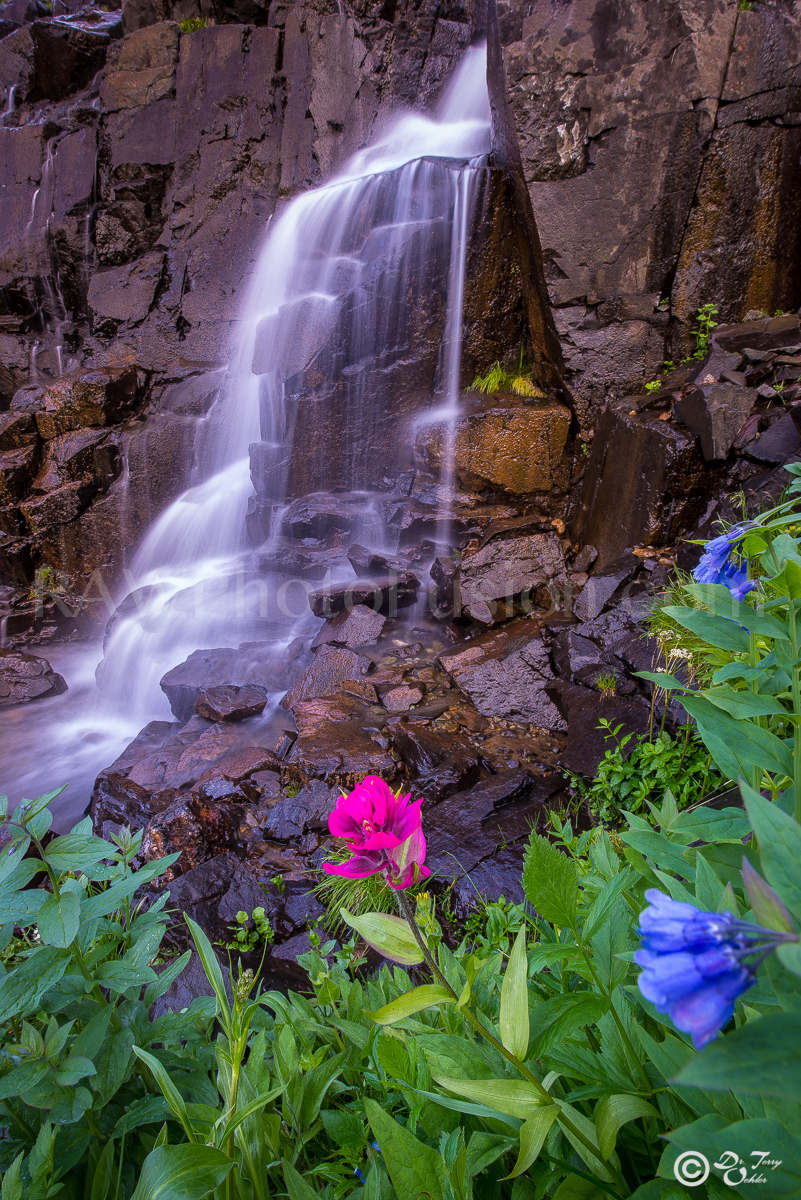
324	379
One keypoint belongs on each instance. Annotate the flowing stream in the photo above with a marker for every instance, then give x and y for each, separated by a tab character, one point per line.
333	297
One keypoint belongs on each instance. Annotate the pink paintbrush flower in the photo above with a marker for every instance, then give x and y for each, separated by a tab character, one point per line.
384	832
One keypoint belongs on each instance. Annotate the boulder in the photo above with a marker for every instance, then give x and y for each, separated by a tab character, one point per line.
53	59
644	482
777	443
338	741
141	68
16	473
581	709
505	674
436	762
716	413
25	677
504	445
211	669
58	507
309	809
527	568
401	699
16	429
466	828
369	563
602	585
384	595
228	702
125	293
329	668
83	454
359	626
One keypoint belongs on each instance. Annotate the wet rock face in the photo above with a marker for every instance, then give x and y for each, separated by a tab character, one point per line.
25	677
655	140
643	482
509	570
502	445
505	674
657	458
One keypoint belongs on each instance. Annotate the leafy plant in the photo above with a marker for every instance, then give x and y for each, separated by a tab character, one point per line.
638	770
747	709
702	330
193	24
653	385
249	932
498	379
76	989
606	683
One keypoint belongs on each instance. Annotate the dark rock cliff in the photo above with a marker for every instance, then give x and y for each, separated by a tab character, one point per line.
661	146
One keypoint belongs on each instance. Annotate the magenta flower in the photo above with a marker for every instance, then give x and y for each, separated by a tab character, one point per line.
384	832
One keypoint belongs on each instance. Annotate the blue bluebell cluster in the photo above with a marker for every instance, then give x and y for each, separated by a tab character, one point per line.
695	963
717	565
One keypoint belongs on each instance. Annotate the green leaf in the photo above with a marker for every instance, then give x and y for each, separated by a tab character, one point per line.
169	1090
761	1057
550	882
721	632
102	1175
746	744
779	844
212	969
166	978
416	1171
668	683
765	904
11	1188
513	1019
514	1097
242	1114
790	578
59	920
744	705
74	852
389	935
615	1111
23	987
181	1173
411	1002
108	901
533	1133
296	1186
719	600
582	1125
73	1069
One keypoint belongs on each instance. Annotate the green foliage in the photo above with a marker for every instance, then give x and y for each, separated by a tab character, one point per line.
637	771
76	986
748	656
250	931
498	379
702	330
606	683
545	1048
653	385
193	24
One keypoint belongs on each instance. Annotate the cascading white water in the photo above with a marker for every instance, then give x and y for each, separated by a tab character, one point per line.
334	289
